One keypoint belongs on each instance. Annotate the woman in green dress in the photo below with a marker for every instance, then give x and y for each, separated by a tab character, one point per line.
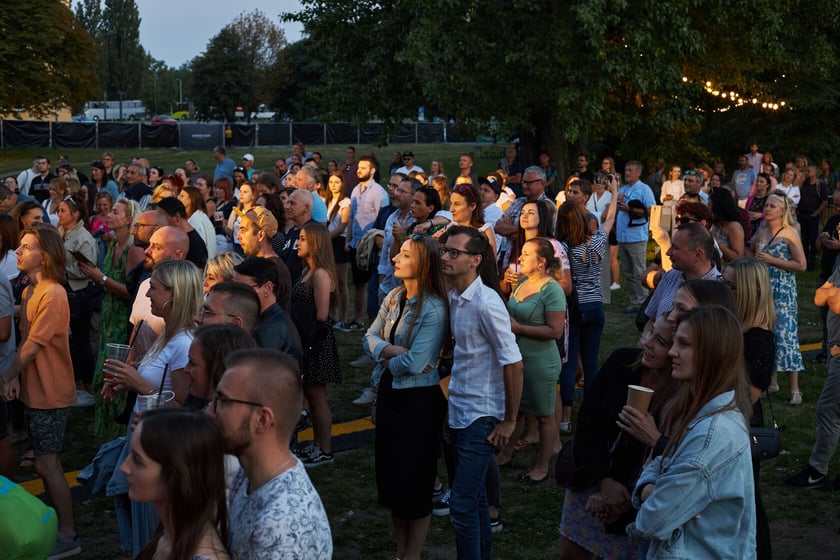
122	256
537	309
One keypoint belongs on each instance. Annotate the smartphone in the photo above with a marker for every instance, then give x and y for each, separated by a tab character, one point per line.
81	258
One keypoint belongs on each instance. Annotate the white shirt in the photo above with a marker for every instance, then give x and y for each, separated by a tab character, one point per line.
597	206
202	224
408	170
484	344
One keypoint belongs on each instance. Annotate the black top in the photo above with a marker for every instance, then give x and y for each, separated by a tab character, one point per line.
39	188
760	361
829	256
137	191
276	330
197	253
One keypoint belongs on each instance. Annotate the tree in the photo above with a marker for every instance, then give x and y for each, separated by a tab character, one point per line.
566	75
241	66
46	70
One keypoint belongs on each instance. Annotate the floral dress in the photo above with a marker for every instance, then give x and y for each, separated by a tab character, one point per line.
788	355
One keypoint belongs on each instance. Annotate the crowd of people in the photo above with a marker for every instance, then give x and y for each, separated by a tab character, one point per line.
480	302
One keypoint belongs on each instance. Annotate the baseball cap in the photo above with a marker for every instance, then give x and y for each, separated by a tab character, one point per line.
249	157
264	219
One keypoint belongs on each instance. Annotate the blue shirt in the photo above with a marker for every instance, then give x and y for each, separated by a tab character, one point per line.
319	209
427	336
224	169
624	232
742	180
365	202
703	504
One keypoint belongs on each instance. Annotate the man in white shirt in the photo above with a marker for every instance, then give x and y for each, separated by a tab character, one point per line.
408	165
485	387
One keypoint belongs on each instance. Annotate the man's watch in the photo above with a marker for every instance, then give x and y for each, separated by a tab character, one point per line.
103	280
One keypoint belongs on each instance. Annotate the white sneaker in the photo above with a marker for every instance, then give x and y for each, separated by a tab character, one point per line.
615	286
83	398
362	361
366	398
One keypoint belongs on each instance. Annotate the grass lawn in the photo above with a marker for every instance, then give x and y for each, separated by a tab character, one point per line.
804	523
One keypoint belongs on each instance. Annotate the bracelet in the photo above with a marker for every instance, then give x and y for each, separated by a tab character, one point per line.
431	223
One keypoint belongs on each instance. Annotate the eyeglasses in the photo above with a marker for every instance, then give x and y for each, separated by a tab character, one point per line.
685	219
454	253
139	225
394	185
219	398
209	312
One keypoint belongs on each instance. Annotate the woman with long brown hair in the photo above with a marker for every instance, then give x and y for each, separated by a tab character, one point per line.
310	310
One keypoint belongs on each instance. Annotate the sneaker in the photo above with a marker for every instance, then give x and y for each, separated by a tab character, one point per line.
65	549
615	286
438	493
305	421
304	450
773	388
809	477
83	398
362	362
565	427
795	398
317	458
354	326
367	397
440	508
496	525
341	326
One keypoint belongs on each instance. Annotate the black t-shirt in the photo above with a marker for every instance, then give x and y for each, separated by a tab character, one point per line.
829	256
197	253
39	188
760	361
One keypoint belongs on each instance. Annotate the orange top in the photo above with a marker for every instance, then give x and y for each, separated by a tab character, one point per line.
47	382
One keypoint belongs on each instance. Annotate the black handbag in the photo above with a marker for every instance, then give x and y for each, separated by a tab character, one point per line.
766	443
566	473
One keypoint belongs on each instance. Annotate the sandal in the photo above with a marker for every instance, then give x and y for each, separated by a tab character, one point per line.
523	444
795	398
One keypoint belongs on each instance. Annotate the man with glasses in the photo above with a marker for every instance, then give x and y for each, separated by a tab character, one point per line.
274	328
39	187
146	224
230	302
485	386
533	189
275	512
634	201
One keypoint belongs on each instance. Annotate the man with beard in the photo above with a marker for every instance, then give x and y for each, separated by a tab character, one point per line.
365	201
275	512
144	227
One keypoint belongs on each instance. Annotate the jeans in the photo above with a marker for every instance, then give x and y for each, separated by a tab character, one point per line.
632	259
468	501
585	339
828	419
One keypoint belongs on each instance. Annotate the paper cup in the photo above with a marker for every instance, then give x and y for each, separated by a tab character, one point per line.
639	397
155	400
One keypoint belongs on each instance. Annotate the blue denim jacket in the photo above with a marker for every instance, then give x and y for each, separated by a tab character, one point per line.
427	336
703	505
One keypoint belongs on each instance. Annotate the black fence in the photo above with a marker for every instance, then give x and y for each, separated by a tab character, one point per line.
203	136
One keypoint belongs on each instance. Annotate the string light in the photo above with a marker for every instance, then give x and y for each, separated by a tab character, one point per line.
735	98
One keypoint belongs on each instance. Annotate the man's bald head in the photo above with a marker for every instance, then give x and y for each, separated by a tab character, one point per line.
299	207
167	243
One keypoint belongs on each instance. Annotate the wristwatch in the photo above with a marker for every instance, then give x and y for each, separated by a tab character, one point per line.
103	280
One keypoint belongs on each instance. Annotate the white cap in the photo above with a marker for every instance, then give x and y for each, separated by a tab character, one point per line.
249	157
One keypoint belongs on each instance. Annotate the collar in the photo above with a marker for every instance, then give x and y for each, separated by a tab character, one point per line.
471	291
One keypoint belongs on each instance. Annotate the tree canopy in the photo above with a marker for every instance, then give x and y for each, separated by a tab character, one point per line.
243	65
575	74
44	70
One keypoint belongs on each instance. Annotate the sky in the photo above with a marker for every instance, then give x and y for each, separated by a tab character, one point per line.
177	31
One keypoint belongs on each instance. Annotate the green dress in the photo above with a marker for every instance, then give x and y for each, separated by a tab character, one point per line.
113	327
540	358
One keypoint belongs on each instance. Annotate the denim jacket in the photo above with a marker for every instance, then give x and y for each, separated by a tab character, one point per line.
427	336
703	504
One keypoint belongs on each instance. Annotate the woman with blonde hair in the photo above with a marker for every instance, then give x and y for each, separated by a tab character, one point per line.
58	190
777	244
310	311
247	200
220	269
163	190
435	169
750	283
175	296
405	340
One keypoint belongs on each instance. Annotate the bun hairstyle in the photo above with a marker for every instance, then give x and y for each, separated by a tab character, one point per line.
545	251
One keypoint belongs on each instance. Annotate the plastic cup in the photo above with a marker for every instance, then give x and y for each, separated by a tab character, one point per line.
114	351
155	400
639	397
219	216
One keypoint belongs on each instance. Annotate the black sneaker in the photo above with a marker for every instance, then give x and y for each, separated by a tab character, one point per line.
440	507
496	525
304	422
809	477
65	549
317	458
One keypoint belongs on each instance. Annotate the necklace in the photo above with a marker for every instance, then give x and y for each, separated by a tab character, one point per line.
276	471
